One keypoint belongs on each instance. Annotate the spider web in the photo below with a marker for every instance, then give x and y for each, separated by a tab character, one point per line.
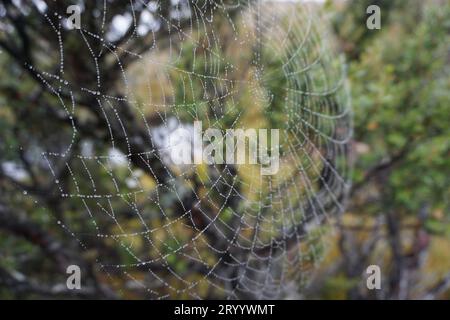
219	230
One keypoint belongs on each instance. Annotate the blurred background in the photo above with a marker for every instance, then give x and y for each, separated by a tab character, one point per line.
397	212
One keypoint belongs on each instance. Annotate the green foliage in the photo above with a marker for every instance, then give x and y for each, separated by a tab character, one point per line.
401	97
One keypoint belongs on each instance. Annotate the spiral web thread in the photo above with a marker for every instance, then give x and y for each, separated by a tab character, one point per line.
258	235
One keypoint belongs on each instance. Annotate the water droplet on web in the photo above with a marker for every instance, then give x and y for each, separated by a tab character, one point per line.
192	79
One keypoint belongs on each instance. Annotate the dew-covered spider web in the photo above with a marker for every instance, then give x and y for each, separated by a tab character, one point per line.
199	231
